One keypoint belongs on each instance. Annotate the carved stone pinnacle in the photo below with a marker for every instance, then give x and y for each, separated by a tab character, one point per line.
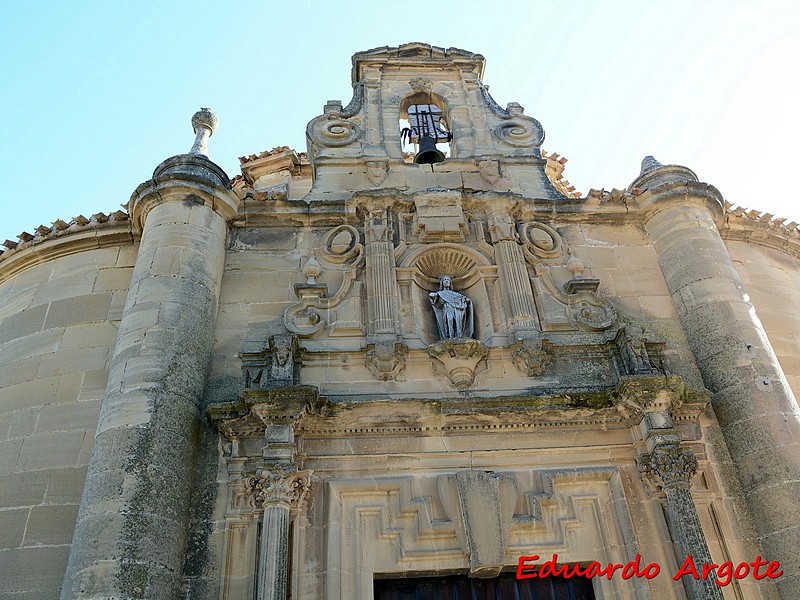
204	124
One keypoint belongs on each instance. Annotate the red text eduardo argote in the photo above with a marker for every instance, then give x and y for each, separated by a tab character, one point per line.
722	573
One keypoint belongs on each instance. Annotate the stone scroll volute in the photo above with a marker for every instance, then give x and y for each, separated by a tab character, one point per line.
340	313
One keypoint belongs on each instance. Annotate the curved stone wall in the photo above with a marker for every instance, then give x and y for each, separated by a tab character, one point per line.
772	278
58	325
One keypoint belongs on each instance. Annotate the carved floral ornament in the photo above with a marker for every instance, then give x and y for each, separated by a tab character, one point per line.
670	465
279	484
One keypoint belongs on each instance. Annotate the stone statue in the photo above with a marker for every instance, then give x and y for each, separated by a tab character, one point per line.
453	311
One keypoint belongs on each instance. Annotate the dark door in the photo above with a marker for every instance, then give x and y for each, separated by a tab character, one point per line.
504	587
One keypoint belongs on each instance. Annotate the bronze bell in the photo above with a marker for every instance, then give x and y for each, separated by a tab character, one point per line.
428	152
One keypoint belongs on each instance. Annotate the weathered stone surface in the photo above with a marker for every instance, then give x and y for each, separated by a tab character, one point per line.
591	315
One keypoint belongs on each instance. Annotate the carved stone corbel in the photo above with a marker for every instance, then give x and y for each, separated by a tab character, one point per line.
386	361
529	357
460	360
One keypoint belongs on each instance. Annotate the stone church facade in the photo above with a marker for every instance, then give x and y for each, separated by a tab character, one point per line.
341	370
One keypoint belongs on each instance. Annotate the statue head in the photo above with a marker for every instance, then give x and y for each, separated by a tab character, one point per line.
445	283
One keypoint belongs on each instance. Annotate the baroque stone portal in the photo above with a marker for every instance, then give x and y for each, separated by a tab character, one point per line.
454	316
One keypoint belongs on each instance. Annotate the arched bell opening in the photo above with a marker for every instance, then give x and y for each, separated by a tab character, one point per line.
425	134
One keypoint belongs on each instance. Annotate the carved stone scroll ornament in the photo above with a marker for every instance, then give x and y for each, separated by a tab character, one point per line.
453	311
341	245
517	129
459	360
331	129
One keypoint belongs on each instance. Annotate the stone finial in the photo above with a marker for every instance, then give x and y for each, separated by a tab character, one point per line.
204	124
649	164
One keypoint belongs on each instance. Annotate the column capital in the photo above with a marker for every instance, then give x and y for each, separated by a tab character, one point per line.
671	466
280	484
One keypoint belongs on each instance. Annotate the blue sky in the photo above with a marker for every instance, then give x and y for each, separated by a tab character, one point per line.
96	94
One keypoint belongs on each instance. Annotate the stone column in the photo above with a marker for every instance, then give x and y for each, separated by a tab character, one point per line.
754	405
514	279
130	537
382	284
674	466
277	489
385	354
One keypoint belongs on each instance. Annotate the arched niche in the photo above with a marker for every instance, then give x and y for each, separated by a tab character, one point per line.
419	274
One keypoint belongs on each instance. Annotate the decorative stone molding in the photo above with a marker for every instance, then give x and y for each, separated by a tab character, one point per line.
439	217
489	170
388	525
386	361
459	360
280	484
377	171
529	357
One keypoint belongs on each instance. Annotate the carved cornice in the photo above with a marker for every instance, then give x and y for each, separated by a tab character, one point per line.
255	409
64	239
761	229
416	54
180	178
680	193
587	410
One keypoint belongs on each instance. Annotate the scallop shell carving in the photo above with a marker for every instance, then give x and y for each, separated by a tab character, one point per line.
436	263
